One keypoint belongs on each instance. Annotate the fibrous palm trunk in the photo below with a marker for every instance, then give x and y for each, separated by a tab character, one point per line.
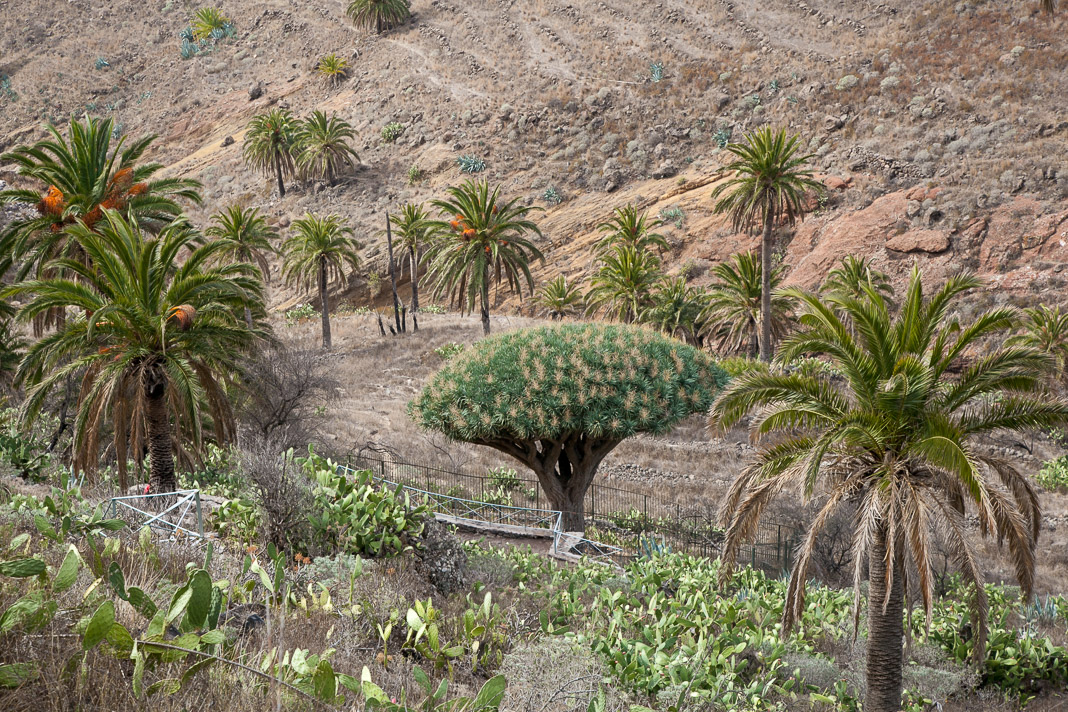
324	300
765	288
159	434
485	301
885	631
414	268
278	173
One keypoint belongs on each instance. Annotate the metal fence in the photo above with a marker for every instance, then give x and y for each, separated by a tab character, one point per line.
625	519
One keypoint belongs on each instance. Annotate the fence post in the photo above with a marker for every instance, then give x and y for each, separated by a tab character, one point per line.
645	508
382	468
200	517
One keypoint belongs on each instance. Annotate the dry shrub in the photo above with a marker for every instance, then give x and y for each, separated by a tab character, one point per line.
552	674
284	396
284	493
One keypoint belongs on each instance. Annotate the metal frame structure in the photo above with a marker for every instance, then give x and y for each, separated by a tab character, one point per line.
500	515
186	502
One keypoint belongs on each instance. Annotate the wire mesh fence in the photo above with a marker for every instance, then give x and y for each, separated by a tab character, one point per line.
627	520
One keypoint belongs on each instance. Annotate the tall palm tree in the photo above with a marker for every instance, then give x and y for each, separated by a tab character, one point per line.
629	227
855	274
484	242
379	14
768	187
158	337
78	178
269	145
1045	329
321	252
678	310
559	298
901	438
623	286
732	316
322	148
414	230
244	236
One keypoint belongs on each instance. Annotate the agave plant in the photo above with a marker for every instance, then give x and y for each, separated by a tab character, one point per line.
378	14
322	148
332	69
559	298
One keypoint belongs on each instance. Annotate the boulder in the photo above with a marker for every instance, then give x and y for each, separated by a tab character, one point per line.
929	241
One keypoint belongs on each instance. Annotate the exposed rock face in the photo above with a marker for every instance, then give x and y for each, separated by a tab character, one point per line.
929	241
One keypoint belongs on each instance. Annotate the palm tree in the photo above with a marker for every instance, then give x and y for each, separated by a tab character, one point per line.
321	251
901	439
158	337
269	145
413	229
1049	6
1045	329
245	236
485	241
79	177
559	298
379	14
321	146
853	276
624	284
768	186
734	302
11	344
678	310
629	227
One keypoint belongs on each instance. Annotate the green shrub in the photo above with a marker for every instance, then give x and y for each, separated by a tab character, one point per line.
552	196
332	69
209	22
24	452
448	350
415	174
433	309
738	365
392	131
358	516
1054	474
505	478
238	520
673	215
300	313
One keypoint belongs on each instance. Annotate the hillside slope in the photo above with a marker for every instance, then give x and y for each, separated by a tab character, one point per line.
893	100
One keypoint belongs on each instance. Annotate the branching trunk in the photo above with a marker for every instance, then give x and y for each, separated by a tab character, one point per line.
324	299
159	433
885	632
765	287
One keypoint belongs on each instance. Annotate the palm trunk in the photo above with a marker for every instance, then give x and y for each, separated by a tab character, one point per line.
414	269
485	300
754	340
393	276
159	435
765	288
324	299
278	172
885	632
248	318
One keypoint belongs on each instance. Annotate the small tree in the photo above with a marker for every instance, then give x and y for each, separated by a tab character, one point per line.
485	241
854	276
560	398
623	286
768	187
322	147
629	227
559	298
413	229
269	145
733	313
320	252
244	236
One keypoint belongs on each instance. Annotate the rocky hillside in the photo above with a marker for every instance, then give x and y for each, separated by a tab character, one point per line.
942	128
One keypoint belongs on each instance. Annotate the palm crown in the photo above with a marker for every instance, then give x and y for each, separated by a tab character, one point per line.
379	14
854	275
321	252
768	186
485	239
1046	329
322	147
270	145
82	176
732	315
900	438
559	297
156	342
624	284
629	227
244	236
